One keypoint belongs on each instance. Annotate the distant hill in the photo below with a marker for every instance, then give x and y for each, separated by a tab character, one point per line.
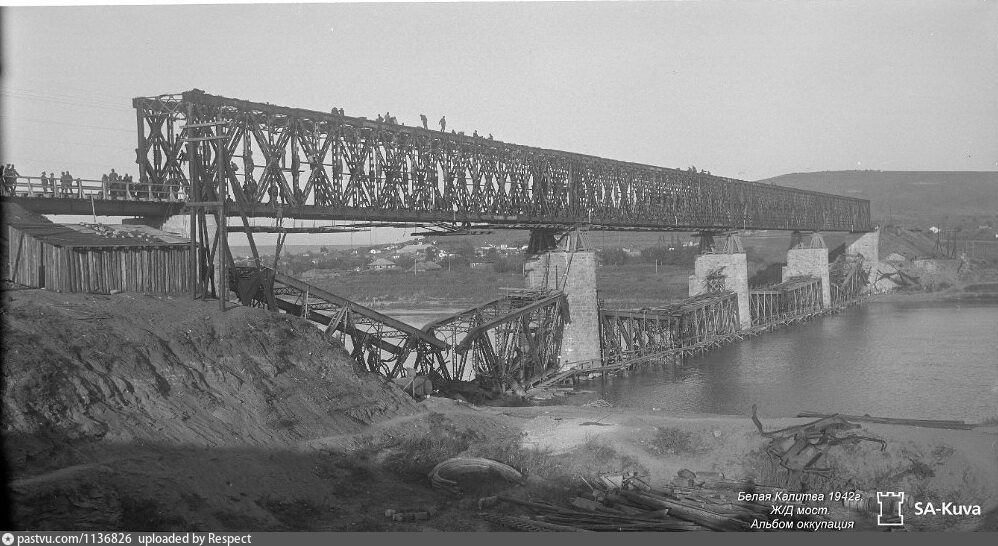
941	198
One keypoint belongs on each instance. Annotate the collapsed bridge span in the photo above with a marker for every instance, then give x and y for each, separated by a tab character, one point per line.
507	341
378	342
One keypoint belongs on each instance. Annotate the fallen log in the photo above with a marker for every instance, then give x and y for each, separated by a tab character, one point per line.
674	525
825	425
927	423
653	515
700	516
521	523
593	506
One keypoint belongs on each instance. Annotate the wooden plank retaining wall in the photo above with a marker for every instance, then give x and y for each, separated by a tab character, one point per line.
128	268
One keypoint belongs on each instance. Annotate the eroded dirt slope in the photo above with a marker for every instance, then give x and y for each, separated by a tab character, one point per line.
131	367
115	403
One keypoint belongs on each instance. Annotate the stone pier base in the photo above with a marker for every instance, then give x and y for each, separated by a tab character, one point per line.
575	274
810	258
867	246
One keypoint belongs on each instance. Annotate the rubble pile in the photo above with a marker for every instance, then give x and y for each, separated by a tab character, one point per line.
799	449
111	233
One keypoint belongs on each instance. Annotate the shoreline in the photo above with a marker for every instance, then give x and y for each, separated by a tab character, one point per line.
435	305
949	296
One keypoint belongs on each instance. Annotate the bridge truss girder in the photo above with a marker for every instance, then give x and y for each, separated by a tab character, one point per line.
793	299
505	342
848	279
378	342
691	325
341	167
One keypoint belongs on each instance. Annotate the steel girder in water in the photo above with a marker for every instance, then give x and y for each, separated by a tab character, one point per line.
792	299
685	327
505	342
848	279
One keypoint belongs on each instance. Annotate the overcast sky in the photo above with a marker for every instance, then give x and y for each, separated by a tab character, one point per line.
748	90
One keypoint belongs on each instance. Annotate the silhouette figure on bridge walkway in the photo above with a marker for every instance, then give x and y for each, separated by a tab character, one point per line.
66	184
46	189
443	124
9	179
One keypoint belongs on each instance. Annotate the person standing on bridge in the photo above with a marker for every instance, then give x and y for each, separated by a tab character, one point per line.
67	184
112	184
130	189
45	182
422	118
9	179
443	124
249	188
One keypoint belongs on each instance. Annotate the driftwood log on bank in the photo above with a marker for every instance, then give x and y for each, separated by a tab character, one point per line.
929	423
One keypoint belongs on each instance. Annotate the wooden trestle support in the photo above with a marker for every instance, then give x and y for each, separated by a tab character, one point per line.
505	342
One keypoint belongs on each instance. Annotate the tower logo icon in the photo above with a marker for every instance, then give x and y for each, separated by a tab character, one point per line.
890	503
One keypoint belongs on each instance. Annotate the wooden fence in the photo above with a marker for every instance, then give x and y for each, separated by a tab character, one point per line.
161	268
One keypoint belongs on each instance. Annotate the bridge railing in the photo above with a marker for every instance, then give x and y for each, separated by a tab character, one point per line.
83	188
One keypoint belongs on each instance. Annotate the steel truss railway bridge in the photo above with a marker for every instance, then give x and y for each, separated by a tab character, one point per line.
215	158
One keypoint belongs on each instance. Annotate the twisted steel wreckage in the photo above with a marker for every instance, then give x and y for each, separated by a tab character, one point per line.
226	157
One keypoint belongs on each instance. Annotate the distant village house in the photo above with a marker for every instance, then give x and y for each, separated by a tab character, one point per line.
382	264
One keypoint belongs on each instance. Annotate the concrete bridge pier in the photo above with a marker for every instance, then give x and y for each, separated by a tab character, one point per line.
723	266
867	246
808	256
177	224
571	268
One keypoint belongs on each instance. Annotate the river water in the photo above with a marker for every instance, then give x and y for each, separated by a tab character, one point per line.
906	359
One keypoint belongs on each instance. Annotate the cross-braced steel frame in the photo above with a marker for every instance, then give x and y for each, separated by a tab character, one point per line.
692	325
505	342
376	341
310	164
797	298
848	279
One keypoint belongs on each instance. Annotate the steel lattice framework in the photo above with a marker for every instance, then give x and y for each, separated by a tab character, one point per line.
509	340
795	299
378	342
848	279
692	325
310	164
